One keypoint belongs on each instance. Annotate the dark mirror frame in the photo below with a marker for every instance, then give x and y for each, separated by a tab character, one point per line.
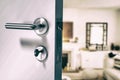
98	46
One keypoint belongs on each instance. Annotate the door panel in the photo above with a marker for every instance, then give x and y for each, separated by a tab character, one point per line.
17	60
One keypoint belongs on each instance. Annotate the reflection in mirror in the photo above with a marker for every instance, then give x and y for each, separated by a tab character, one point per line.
96	35
96	30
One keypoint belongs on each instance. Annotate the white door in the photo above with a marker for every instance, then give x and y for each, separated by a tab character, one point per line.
32	50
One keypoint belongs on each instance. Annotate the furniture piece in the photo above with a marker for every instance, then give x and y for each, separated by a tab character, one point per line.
92	59
112	67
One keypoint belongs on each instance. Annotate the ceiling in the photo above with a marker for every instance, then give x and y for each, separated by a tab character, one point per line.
111	4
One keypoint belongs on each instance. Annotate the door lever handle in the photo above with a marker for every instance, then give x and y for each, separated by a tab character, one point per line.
40	26
22	26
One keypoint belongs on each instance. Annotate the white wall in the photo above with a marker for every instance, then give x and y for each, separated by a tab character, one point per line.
118	28
79	17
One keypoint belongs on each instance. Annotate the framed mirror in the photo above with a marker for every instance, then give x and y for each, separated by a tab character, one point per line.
96	35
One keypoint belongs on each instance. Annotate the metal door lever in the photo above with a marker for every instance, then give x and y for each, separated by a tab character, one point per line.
22	26
40	26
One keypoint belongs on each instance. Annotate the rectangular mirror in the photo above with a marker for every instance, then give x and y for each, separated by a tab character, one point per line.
96	35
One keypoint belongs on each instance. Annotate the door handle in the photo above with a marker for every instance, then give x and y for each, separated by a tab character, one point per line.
22	26
40	26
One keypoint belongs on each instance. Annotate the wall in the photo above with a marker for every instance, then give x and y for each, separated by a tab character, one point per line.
118	27
79	17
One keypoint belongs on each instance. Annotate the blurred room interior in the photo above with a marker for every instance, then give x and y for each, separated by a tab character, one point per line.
91	31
